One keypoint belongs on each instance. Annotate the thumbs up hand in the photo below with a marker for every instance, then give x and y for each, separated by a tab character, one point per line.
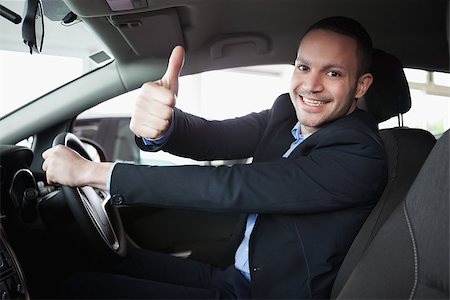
153	110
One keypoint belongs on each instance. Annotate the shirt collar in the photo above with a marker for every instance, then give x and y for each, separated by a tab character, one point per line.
297	132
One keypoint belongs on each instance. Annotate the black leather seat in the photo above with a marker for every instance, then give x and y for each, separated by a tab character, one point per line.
406	149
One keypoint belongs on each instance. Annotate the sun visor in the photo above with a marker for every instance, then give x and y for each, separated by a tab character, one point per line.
55	10
150	34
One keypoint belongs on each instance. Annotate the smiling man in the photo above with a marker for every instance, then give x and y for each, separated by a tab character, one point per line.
318	169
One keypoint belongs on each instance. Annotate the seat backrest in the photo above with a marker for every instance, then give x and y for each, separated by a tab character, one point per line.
409	256
406	151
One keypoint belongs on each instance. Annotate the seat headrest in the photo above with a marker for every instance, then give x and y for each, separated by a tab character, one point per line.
389	95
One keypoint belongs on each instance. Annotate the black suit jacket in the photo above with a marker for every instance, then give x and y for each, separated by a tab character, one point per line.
310	205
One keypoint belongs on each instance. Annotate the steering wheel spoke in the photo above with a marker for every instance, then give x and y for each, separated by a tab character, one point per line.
95	206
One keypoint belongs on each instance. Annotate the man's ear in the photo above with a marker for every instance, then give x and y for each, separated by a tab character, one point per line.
364	83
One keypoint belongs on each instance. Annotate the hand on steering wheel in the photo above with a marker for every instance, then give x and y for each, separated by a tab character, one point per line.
90	206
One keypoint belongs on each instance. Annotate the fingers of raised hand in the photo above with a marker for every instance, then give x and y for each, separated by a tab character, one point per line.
151	127
152	112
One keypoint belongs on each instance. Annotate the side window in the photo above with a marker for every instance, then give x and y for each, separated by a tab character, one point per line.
28	142
86	128
124	148
430	97
111	135
206	94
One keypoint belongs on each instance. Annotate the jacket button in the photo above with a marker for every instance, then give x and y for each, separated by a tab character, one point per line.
116	199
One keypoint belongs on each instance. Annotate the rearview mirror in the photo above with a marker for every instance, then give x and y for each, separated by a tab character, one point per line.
33	26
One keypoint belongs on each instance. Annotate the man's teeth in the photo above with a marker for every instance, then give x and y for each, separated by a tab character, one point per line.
312	102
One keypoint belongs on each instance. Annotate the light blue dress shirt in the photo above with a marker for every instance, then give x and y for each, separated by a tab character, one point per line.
241	258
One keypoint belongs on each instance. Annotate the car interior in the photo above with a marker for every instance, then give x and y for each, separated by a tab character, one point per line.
49	232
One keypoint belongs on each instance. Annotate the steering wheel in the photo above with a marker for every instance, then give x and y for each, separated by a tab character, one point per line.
99	220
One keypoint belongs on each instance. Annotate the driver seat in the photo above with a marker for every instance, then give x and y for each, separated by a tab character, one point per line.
409	256
406	150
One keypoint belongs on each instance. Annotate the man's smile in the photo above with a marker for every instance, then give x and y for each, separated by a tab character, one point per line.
312	102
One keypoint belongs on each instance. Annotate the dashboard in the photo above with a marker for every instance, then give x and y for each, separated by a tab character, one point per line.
18	201
41	242
12	281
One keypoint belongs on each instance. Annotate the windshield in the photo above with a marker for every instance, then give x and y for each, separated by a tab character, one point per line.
69	50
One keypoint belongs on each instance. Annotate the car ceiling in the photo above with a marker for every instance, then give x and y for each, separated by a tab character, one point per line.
226	33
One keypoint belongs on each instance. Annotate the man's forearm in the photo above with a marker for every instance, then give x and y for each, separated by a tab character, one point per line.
96	175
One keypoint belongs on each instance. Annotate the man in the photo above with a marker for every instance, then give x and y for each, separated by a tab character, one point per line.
318	169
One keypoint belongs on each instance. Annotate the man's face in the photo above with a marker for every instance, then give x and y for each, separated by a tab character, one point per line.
324	85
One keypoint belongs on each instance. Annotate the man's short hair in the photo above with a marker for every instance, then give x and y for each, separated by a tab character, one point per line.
353	29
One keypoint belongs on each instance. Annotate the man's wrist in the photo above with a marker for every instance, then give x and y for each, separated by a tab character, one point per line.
96	174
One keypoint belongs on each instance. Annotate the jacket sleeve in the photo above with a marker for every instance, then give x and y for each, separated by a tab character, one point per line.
345	168
200	139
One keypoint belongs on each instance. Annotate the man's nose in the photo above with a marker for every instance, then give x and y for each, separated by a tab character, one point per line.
312	82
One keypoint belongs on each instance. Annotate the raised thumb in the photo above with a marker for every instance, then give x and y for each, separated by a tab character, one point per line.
176	62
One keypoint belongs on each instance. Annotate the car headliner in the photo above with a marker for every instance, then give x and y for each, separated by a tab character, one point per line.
414	30
226	33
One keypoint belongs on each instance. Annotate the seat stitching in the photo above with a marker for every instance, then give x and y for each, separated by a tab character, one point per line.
411	233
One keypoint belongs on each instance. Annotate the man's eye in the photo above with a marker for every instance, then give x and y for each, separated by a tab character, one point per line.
302	68
334	74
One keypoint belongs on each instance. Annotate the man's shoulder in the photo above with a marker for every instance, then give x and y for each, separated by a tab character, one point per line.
283	104
282	109
365	117
358	119
357	127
